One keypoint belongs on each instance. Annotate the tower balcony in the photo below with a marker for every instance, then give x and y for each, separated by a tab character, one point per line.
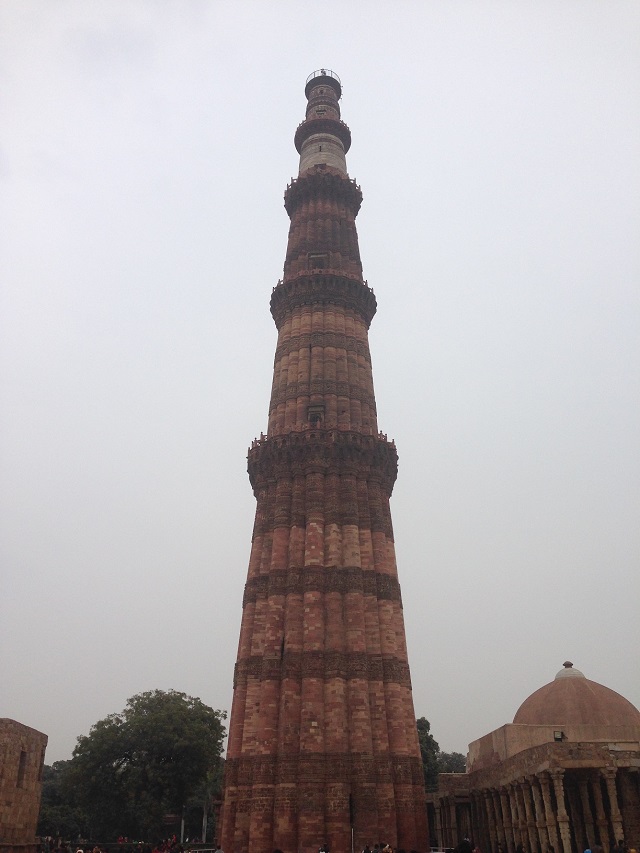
309	449
320	76
323	286
321	181
331	126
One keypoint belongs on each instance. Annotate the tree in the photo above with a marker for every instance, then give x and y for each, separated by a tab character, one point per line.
199	814
433	760
59	816
451	762
135	767
429	750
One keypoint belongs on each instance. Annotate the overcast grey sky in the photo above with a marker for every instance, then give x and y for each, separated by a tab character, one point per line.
144	150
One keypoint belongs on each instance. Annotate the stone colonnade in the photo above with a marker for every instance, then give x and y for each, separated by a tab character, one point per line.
567	810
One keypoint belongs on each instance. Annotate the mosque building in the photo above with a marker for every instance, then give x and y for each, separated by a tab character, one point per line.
564	776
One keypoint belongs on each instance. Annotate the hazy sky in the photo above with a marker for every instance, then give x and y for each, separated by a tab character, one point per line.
144	150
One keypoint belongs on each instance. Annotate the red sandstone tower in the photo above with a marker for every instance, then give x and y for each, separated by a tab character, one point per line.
322	736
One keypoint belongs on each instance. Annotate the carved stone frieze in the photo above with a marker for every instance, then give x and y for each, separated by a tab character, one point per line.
324	665
321	386
298	580
264	769
375	516
353	768
311	768
323	339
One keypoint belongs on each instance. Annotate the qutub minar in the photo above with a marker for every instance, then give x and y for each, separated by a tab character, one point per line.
322	736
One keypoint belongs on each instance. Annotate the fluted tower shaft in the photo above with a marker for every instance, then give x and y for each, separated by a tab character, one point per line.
322	733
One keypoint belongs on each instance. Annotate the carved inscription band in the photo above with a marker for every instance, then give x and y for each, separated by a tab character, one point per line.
323	339
297	581
324	665
320	289
318	386
372	514
323	767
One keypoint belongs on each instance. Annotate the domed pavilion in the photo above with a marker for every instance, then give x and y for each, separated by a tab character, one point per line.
564	775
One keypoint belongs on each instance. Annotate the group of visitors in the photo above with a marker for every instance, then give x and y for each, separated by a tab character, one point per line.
49	844
466	846
380	847
124	845
619	847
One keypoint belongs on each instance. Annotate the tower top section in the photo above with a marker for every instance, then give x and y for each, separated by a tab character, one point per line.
328	78
322	138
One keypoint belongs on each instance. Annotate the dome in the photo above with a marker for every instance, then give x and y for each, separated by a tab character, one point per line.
573	700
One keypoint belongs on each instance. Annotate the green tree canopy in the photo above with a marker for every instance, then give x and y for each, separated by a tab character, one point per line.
451	762
143	763
433	760
59	816
429	750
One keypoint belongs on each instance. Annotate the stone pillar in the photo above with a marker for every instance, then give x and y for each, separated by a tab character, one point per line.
487	820
438	827
491	820
505	801
601	818
609	774
583	785
465	824
444	822
453	822
487	834
475	819
525	788
575	817
541	823
449	833
550	818
502	840
563	817
630	796
519	819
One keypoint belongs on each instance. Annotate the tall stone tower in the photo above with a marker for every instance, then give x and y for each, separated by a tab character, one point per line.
322	736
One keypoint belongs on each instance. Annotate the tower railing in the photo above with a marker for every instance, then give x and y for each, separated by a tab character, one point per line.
331	429
323	72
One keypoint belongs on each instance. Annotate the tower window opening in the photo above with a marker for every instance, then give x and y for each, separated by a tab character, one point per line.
315	414
318	261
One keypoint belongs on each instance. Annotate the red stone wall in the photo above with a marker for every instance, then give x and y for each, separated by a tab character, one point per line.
21	762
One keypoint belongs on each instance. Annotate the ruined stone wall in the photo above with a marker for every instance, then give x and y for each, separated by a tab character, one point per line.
22	752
